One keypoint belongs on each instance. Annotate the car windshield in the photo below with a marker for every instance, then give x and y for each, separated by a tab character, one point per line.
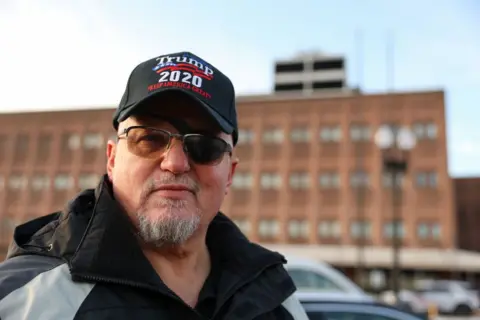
307	280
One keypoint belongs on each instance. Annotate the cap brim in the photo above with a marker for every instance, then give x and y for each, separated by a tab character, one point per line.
136	108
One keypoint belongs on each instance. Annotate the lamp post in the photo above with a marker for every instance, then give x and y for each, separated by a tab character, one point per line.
395	146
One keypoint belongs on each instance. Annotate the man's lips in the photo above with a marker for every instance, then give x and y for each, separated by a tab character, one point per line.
173	190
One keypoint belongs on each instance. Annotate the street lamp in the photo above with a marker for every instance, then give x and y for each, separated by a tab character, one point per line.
395	146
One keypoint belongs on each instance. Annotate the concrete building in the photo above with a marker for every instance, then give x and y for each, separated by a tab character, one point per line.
310	72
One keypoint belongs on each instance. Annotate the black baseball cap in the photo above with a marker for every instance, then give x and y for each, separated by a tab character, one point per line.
182	72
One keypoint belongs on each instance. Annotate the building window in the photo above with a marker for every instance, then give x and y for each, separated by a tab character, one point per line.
63	182
268	228
3	145
40	182
429	231
423	231
21	143
242	180
436	231
425	130
360	229
329	180
426	179
387	179
45	141
270	181
389	228
328	229
299	180
92	140
88	180
73	141
300	135
244	225
393	127
298	229
17	182
273	136
331	133
359	178
245	136
360	132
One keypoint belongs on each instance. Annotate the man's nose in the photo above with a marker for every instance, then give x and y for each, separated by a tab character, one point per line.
174	158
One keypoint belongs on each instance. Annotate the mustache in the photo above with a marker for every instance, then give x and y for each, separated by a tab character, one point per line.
154	183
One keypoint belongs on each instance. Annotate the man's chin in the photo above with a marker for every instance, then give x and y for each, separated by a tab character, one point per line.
166	214
172	230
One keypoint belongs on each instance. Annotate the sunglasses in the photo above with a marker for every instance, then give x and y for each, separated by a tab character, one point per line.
150	143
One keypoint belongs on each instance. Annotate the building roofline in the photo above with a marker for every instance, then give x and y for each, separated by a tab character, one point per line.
328	94
248	98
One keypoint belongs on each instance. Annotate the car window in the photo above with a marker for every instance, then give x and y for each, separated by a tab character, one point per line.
345	315
305	279
314	315
440	287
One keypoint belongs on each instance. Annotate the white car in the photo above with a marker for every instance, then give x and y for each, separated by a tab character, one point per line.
450	297
319	280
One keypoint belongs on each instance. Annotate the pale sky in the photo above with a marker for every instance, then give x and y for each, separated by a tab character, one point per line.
60	54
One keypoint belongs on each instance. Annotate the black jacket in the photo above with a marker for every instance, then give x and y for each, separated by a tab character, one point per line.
84	263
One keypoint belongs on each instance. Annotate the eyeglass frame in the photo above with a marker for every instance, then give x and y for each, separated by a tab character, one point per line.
171	136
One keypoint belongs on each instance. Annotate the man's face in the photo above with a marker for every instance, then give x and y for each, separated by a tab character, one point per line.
168	195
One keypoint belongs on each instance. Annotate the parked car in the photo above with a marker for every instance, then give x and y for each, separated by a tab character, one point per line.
407	300
450	297
470	288
318	277
355	310
314	296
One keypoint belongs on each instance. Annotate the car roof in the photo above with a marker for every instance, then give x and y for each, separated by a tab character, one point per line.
307	296
324	269
367	307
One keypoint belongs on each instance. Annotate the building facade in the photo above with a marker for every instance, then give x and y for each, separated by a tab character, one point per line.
309	171
468	213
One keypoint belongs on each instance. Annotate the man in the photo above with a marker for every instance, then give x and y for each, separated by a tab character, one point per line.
149	242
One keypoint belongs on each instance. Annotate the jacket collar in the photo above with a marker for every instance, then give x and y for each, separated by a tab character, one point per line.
109	250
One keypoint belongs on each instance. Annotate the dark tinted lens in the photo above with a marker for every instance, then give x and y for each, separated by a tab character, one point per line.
145	142
204	149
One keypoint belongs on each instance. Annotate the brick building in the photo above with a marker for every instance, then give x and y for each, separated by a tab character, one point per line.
309	171
468	213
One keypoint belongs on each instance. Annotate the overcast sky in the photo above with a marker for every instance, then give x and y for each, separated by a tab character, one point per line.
78	54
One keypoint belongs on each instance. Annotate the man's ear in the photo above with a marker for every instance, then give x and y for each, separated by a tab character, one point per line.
111	150
233	167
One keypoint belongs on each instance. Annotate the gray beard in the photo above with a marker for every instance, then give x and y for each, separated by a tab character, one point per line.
171	228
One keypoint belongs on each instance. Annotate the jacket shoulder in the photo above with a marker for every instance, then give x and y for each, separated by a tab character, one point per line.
29	283
18	271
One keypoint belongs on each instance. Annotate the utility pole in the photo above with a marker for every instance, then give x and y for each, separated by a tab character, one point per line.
359	189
